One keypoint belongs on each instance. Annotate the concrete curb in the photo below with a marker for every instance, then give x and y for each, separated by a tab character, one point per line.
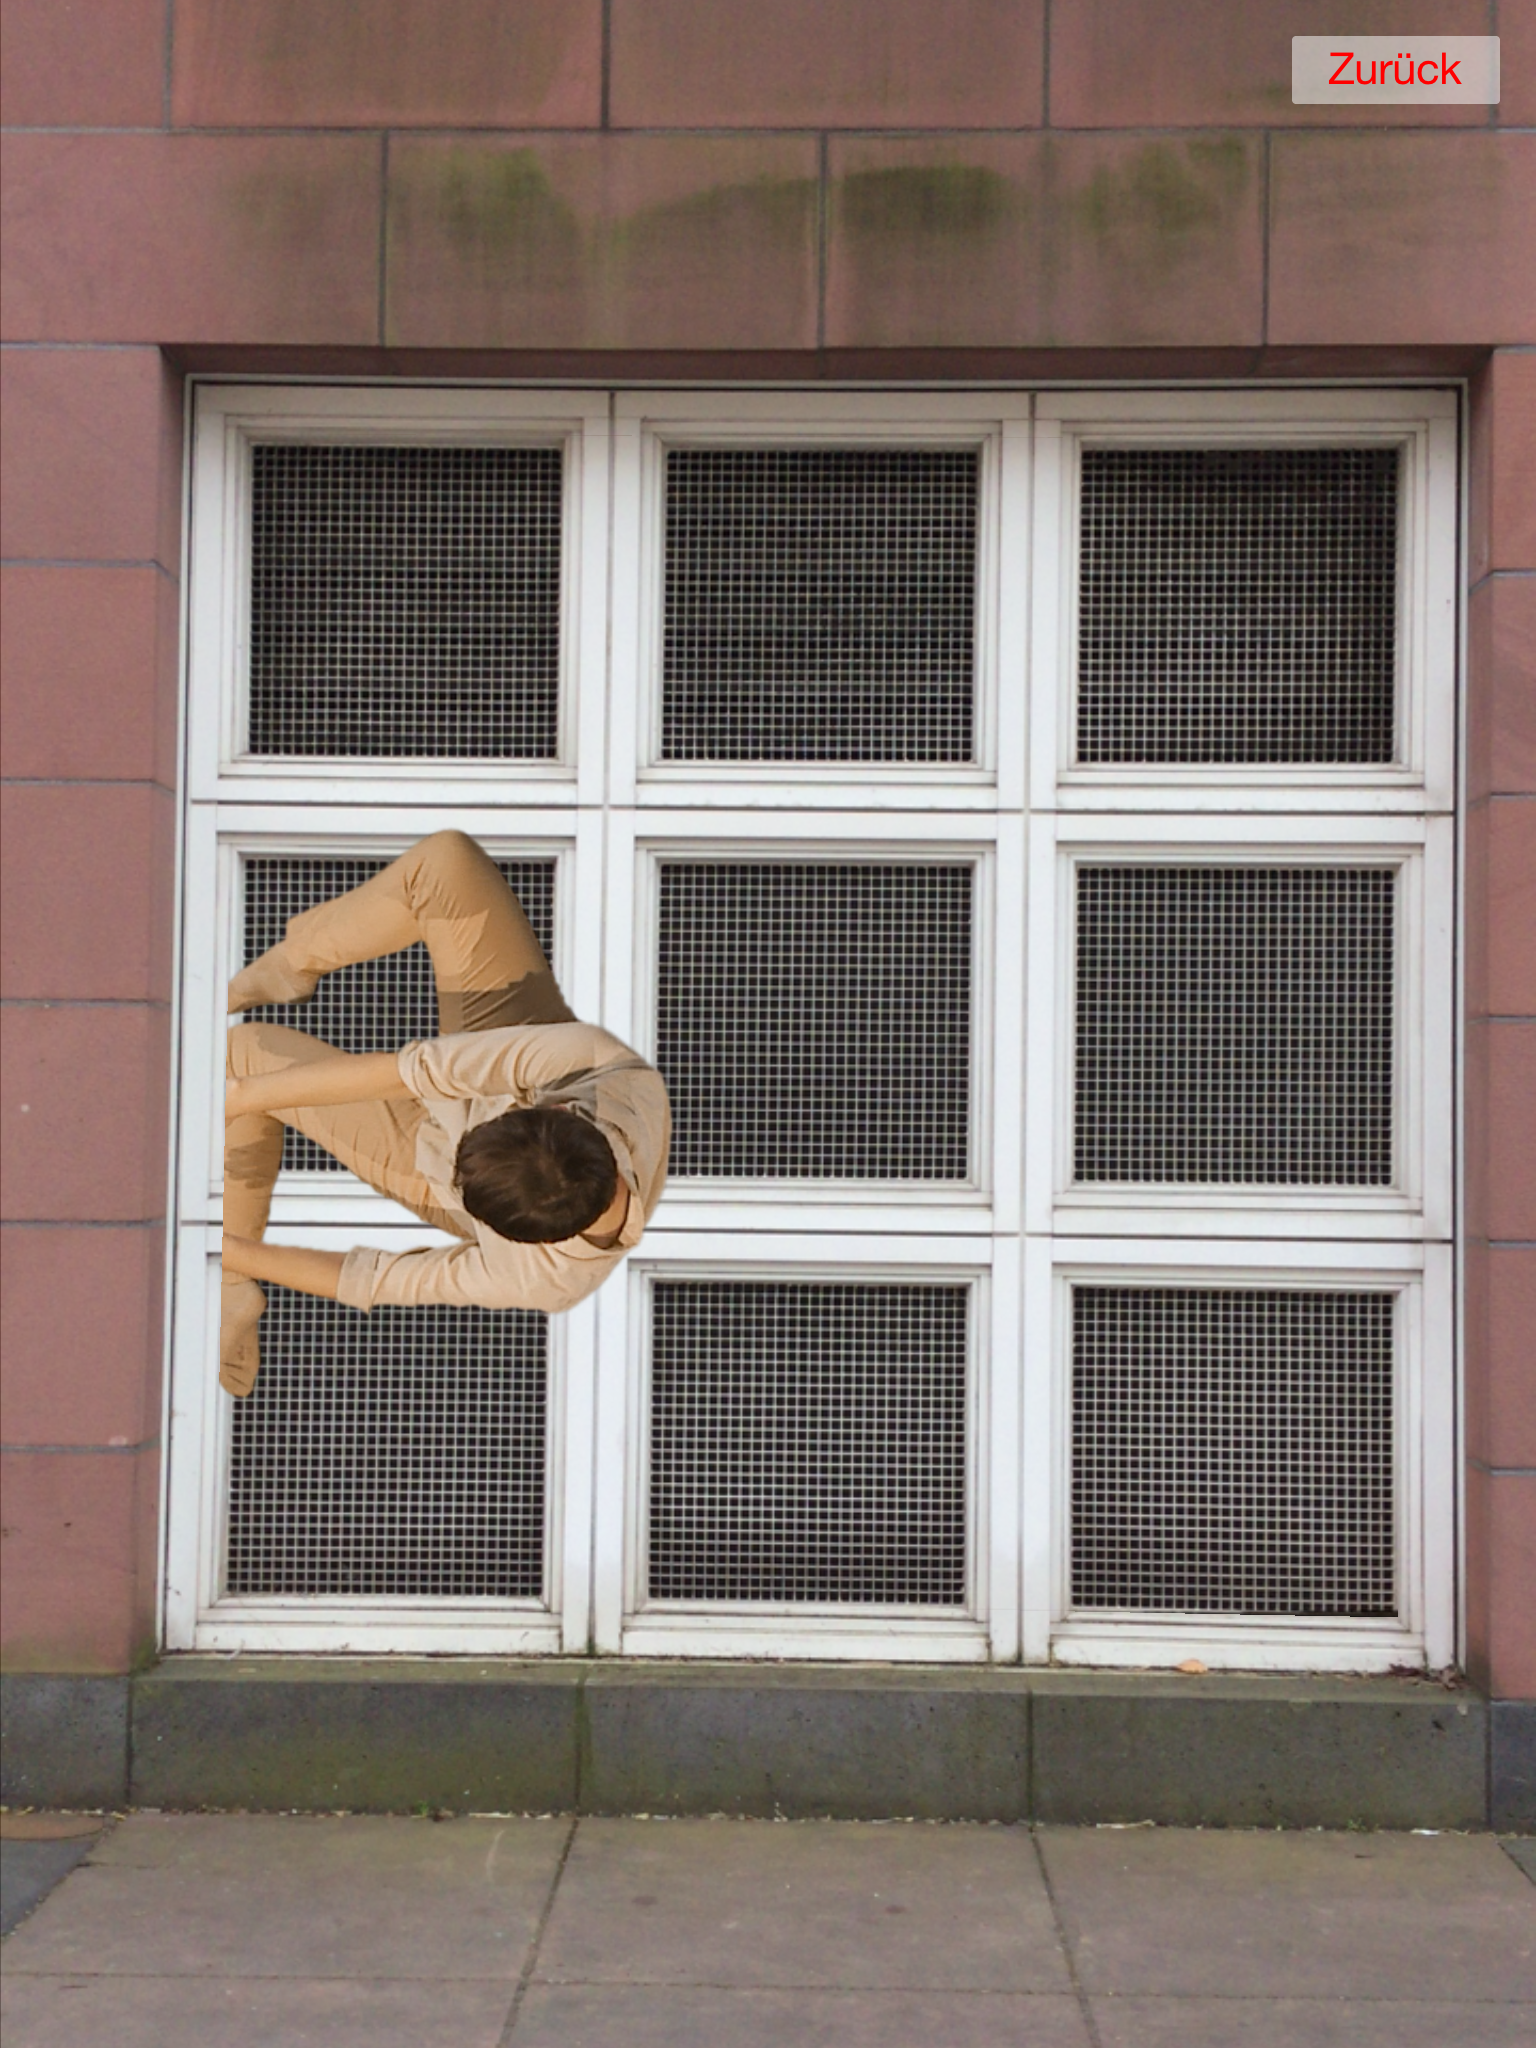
850	1742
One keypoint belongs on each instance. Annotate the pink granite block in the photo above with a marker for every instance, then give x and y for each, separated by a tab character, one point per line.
1045	241
643	242
1502	495
1384	238
1512	906
1517	65
84	1093
1511	1575
390	64
1511	1141
89	875
1501	1355
65	65
828	64
172	238
82	1317
1501	685
84	451
87	668
1208	64
77	1596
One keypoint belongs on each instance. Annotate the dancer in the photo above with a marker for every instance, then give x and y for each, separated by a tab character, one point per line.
539	1144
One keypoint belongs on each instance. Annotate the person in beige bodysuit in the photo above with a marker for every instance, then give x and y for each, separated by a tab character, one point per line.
536	1143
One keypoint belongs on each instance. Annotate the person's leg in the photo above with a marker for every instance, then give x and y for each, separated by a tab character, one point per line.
377	1140
489	968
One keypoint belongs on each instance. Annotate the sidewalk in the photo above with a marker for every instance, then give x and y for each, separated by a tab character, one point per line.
358	1932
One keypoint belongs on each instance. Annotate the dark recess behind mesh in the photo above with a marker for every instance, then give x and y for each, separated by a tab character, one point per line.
808	1442
814	1019
1237	605
1234	1025
405	602
397	1453
375	1005
820	604
1232	1451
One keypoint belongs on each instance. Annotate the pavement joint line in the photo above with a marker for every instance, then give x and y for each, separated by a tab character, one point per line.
530	1961
1090	2020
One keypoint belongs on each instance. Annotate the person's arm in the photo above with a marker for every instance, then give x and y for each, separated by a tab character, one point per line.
339	1077
287	1265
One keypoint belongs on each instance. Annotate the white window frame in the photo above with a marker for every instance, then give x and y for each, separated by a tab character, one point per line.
647	424
231	419
1422	425
1024	815
837	839
640	1626
333	1210
1423	1412
1421	854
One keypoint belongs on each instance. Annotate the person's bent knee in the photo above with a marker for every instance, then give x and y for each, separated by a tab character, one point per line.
449	849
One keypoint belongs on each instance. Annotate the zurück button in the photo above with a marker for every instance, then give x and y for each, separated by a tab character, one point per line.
1375	71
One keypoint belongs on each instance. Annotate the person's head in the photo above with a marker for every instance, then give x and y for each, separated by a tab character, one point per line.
536	1175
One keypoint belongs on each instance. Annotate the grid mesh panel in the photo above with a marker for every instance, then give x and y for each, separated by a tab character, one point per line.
820	604
1234	1025
1237	604
376	1005
807	1442
814	1020
1232	1451
401	1452
405	601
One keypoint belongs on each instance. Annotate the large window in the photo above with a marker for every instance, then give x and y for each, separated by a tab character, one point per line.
1020	829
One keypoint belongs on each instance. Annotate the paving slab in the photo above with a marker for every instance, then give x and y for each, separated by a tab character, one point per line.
245	2012
1308	2023
28	1873
1230	1913
887	1906
260	1895
645	2016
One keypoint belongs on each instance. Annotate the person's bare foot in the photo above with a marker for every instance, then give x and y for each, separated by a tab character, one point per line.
241	1302
270	980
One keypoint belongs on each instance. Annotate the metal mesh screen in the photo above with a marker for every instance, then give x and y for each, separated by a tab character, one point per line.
401	1452
376	1005
808	1442
1232	1451
405	601
1237	604
814	1019
820	604
1234	1024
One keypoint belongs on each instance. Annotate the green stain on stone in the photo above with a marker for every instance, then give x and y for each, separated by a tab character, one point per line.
1165	192
720	217
926	199
501	203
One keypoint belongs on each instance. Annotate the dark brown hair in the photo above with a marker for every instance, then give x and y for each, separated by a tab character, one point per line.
536	1175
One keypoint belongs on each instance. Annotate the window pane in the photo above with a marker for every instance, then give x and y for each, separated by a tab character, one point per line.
808	1442
820	604
815	1019
1232	1451
405	601
1237	604
1234	1024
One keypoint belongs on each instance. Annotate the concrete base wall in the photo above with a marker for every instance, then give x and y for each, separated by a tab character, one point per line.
394	1736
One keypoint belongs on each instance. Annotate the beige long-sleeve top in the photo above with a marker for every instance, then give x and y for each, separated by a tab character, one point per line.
470	1077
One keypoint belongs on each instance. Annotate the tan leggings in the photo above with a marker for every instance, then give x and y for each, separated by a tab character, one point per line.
490	971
